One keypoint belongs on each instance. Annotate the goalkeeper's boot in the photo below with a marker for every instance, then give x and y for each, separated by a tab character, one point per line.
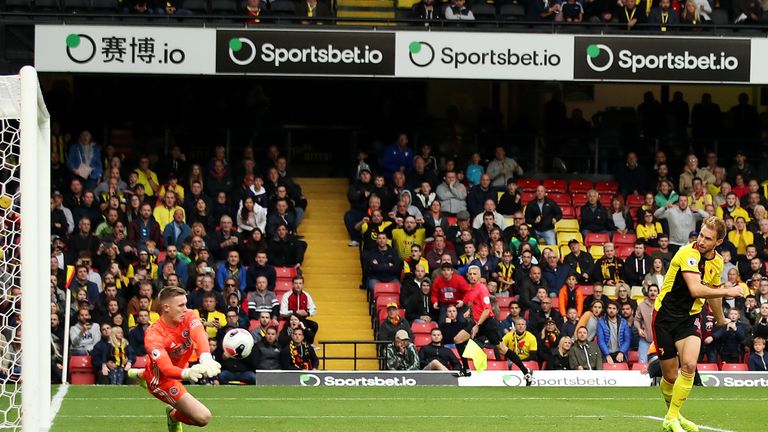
173	425
688	425
672	425
138	375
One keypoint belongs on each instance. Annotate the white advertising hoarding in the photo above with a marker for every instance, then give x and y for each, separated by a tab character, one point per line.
463	55
609	378
125	49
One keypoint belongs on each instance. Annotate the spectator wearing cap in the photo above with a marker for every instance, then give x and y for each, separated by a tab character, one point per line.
401	354
358	194
542	213
462	224
418	307
452	194
392	324
581	262
681	219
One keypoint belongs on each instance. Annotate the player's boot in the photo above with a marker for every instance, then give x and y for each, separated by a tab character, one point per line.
463	373
138	374
528	378
672	425
688	425
173	425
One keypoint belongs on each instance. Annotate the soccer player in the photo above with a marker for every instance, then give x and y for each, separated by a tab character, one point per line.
481	324
170	342
693	277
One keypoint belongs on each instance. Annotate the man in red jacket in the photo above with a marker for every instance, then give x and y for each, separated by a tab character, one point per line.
448	289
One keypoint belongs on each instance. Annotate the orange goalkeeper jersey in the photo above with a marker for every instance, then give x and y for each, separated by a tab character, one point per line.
170	348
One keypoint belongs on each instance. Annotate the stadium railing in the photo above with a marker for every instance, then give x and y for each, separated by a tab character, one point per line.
355	352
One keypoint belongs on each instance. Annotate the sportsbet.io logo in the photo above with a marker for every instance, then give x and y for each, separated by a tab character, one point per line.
309	380
235	48
421	53
599	57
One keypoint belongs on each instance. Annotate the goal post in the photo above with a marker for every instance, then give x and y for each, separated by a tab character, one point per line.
25	188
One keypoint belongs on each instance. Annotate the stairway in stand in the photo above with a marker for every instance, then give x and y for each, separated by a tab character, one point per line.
332	274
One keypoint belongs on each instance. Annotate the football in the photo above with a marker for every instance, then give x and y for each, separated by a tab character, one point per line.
238	343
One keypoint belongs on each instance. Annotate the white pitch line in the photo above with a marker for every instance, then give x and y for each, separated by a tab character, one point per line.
352	399
58	398
700	426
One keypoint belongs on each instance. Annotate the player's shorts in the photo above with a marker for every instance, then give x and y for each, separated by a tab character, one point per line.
488	329
668	330
167	390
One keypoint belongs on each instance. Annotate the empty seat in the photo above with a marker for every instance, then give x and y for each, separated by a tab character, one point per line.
504	302
635	200
503	314
141	362
407	4
285	272
633	356
108	6
555	185
423	327
198	7
567	225
497	365
566	236
579	186
586	289
224	7
578	199
568	212
605	200
734	367
597	239
512	12
532	365
484	12
561	199
421	339
526	197
624	252
283	8
75	6
385	287
596	251
642	367
706	367
615	366
527	185
81	370
624	239
607	186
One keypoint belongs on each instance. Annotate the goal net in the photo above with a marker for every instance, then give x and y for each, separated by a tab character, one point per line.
25	356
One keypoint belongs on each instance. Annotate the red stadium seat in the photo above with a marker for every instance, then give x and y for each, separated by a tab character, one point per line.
490	353
586	290
253	325
605	200
650	250
141	362
528	185
635	200
526	197
504	302
624	252
642	367
532	365
598	239
734	367
624	239
707	367
578	199
579	186
283	285
452	220
81	370
161	257
285	272
503	314
383	299
577	210
568	212
615	366
633	357
561	199
497	365
607	187
555	185
280	326
385	287
421	339
423	327
280	292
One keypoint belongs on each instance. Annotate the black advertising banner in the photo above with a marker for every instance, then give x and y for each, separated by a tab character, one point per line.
323	53
661	59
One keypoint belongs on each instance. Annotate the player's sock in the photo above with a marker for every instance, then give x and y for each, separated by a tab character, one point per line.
514	358
666	390
181	417
464	361
680	392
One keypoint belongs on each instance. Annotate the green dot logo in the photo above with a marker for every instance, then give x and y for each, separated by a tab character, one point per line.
80	47
240	55
309	380
421	53
599	57
511	380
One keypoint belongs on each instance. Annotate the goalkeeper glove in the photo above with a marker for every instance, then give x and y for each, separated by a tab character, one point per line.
193	373
211	366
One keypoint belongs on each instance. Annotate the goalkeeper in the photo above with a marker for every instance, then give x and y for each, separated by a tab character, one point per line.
170	342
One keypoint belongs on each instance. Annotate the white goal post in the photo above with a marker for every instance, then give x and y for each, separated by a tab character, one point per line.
26	121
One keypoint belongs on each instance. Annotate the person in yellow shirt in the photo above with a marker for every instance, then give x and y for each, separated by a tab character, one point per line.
144	306
522	342
212	319
741	237
163	213
648	229
147	177
407	236
410	263
699	196
172	185
732	208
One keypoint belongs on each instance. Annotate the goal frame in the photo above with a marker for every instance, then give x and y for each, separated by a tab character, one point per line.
35	180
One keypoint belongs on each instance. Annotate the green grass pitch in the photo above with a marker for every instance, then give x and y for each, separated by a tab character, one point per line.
273	409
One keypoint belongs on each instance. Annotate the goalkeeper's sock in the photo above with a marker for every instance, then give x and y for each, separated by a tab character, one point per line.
666	390
464	361
514	358
680	392
181	417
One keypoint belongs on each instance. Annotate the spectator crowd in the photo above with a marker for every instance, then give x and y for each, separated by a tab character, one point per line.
574	267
